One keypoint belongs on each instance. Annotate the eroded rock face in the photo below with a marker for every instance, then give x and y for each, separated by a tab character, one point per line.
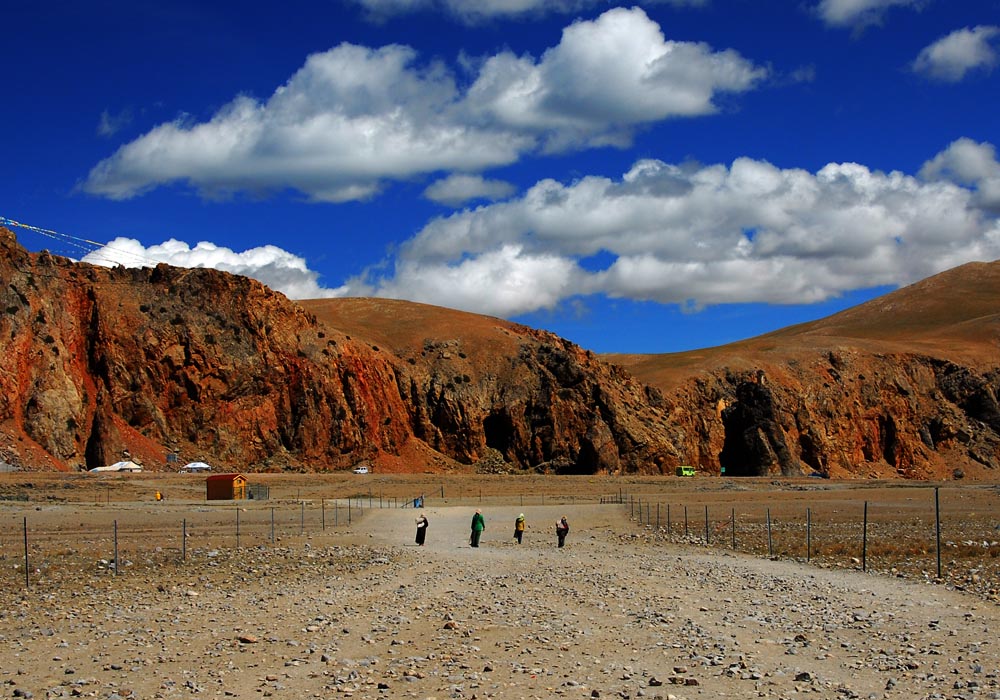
197	362
845	414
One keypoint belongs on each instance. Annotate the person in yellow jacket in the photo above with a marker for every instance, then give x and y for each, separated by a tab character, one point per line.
519	528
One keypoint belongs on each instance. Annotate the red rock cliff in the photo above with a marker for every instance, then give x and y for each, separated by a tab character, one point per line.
217	367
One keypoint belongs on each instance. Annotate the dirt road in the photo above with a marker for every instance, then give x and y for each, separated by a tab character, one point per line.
370	615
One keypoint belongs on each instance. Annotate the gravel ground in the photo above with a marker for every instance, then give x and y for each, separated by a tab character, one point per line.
612	615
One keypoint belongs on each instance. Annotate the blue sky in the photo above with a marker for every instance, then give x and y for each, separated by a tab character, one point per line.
643	177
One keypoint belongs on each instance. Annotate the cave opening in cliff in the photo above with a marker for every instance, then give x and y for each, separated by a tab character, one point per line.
499	432
745	451
93	453
587	461
888	439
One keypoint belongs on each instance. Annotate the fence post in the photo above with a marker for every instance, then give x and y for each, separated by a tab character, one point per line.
668	519
770	543
808	535
937	528
657	516
117	562
685	521
27	577
184	539
864	541
706	523
734	528
237	527
302	517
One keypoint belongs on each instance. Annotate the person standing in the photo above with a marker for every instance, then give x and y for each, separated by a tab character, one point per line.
478	525
519	528
421	529
562	529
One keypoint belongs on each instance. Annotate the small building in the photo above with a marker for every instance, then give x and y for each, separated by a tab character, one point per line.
226	487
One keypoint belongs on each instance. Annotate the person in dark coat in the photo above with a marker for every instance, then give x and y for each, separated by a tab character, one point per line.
421	529
562	529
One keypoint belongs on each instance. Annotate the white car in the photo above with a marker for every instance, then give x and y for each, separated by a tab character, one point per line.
361	470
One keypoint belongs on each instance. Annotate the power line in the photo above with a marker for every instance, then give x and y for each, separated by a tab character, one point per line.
84	244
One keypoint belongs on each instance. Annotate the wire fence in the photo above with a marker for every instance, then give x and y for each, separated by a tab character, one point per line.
128	537
113	537
933	534
929	532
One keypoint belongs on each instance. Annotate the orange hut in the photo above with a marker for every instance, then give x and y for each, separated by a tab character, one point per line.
226	487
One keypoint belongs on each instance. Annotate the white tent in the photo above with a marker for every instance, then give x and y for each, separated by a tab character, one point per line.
126	466
196	467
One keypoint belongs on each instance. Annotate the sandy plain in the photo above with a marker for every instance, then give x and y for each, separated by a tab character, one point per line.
298	597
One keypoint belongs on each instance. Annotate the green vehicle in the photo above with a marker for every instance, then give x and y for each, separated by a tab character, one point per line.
685	470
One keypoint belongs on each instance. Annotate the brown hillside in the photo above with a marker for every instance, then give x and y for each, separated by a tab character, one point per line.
953	316
904	384
403	327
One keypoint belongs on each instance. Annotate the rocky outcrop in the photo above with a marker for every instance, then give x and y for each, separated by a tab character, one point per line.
844	414
212	366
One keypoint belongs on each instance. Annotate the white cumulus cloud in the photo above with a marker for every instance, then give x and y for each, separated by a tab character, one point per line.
604	77
953	56
858	13
971	164
505	281
277	268
705	234
355	117
455	190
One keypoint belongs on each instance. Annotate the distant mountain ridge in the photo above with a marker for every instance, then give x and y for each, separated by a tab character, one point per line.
216	367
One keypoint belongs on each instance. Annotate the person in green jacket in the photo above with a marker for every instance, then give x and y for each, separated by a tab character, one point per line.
478	525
